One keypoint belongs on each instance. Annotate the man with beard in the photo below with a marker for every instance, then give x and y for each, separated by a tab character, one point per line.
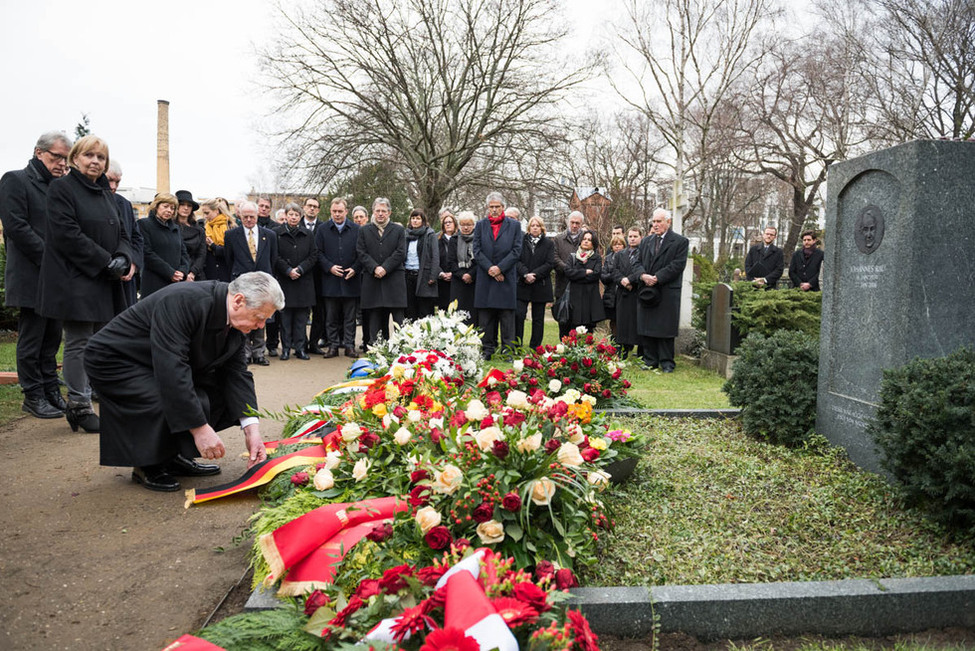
381	248
806	263
566	245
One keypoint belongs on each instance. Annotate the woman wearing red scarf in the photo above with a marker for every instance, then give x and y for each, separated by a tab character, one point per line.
497	249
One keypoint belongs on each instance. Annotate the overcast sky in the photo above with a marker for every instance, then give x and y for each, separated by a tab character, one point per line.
113	59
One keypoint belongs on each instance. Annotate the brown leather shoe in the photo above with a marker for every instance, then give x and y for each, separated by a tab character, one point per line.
350	352
330	353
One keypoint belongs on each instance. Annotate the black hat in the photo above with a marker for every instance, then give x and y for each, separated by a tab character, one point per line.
650	295
185	196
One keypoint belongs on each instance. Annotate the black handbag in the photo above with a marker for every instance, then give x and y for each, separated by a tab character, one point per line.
560	308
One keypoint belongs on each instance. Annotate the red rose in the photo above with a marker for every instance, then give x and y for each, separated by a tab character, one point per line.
590	454
533	382
551	372
458	419
558	410
617	373
462	543
500	449
438	537
544	569
419	475
436	435
394	578
368	588
419	496
587	362
315	600
552	445
587	388
514	418
594	372
493	398
299	478
607	393
380	532
430	575
532	595
511	502
589	339
626	384
575	366
482	512
368	440
565	579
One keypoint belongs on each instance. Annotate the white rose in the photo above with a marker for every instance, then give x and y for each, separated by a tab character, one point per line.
529	444
333	459
598	478
611	367
554	386
436	423
475	410
361	469
414	415
486	438
559	348
402	436
351	431
387	421
574	433
490	532
569	455
542	491
448	480
427	518
518	366
581	330
324	479
518	400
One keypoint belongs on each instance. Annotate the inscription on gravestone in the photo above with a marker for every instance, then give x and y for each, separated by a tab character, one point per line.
899	279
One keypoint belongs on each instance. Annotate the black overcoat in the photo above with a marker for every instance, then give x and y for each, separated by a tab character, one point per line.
505	251
585	303
806	271
443	286
163	253
167	364
338	247
765	262
296	250
23	211
539	262
460	291
84	232
627	300
662	320
608	277
195	240
388	252
429	253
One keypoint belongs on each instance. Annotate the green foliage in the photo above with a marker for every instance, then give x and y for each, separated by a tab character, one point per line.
925	425
376	180
83	128
8	315
755	310
704	269
701	299
774	383
279	629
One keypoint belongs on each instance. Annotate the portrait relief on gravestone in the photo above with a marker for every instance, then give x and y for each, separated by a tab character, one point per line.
868	231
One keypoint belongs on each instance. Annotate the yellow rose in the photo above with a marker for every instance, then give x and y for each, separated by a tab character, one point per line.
490	532
542	491
427	518
447	481
569	455
529	444
324	479
361	469
379	410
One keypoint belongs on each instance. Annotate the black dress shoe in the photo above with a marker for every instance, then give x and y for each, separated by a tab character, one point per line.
330	353
262	361
350	352
314	350
155	478
56	400
180	466
273	352
41	408
285	356
302	355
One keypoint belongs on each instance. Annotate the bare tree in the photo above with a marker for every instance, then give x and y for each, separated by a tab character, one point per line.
685	56
442	90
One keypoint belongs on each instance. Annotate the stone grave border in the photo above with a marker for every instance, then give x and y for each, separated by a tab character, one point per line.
865	607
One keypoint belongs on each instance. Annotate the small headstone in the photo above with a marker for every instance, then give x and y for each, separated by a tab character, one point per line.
899	281
719	319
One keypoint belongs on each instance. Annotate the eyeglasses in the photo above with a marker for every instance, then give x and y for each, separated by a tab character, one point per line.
61	158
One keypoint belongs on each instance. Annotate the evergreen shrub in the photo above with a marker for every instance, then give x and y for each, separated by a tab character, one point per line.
774	383
764	312
925	427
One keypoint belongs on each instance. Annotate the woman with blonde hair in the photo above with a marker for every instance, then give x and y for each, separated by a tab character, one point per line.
534	281
448	229
87	254
216	212
165	258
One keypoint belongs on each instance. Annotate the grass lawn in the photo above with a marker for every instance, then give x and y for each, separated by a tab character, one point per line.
10	395
710	505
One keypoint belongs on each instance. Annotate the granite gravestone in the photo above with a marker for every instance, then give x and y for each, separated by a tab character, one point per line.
719	319
899	277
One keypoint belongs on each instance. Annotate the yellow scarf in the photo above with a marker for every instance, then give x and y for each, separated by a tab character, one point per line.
216	229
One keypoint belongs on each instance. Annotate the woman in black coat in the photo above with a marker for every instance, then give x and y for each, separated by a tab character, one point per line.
422	267
627	298
165	260
86	255
448	230
463	269
609	280
194	237
534	281
295	270
586	305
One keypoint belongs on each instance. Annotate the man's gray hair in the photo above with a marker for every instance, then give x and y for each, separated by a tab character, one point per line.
258	289
664	212
115	169
495	196
47	140
575	213
245	205
382	200
361	209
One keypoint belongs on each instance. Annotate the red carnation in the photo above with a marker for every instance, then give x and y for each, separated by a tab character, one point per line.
544	569
458	419
500	449
590	454
585	638
565	579
511	502
419	475
299	478
493	398
436	435
558	410
552	445
482	512
380	532
514	418
487	422
533	595
450	639
394	578
438	537
315	600
368	588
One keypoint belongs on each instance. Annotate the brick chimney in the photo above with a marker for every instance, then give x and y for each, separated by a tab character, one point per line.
162	146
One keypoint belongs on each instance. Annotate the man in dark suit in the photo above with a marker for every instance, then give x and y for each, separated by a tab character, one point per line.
23	211
170	373
114	177
339	262
661	262
316	332
764	263
805	264
251	248
497	249
381	248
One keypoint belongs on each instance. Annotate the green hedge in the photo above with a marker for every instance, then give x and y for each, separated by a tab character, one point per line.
8	315
763	312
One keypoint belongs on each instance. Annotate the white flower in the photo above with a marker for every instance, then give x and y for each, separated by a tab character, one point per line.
414	415
554	386
518	366
333	459
361	469
447	481
598	478
486	438
427	518
351	431
559	348
475	410
574	433
388	420
569	455
518	400
529	444
581	330
436	423
402	436
611	367
590	399
324	479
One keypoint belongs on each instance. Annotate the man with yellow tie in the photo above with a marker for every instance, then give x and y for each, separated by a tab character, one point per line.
251	248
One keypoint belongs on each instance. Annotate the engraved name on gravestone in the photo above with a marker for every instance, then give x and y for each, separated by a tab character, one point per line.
899	279
719	319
